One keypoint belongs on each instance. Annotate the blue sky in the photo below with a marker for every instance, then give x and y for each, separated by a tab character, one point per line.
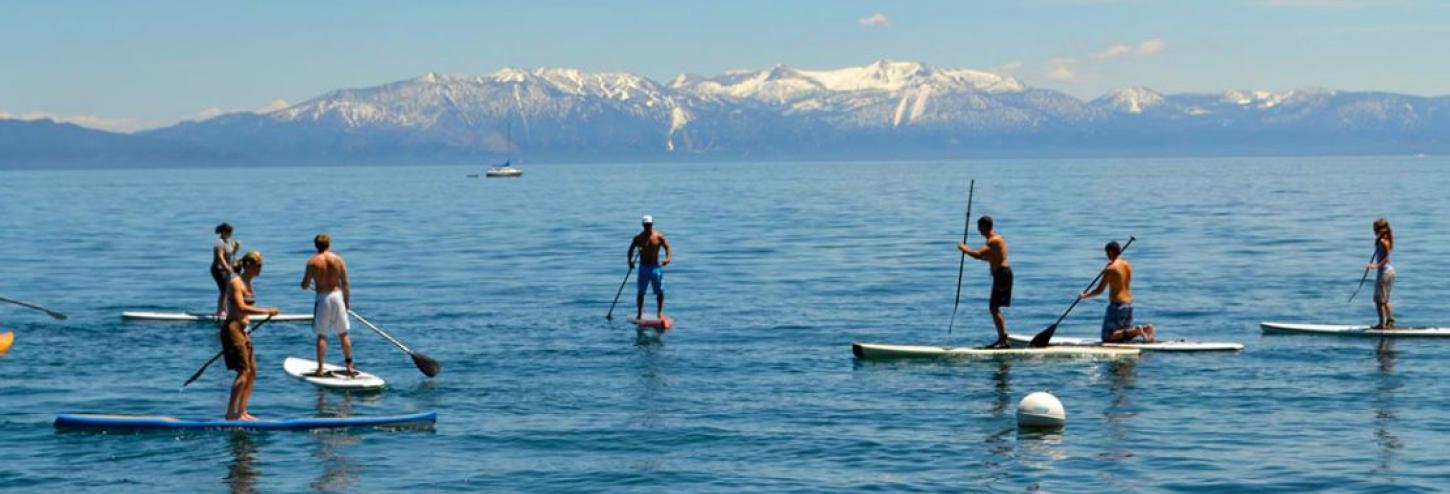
136	64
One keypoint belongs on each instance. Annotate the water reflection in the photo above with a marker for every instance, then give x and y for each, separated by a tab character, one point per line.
1002	384
1122	375
1387	384
242	472
339	472
651	388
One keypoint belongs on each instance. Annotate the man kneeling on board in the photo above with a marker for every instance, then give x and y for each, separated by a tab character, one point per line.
1118	280
327	272
236	344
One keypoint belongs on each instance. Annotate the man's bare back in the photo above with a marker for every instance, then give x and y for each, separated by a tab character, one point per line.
326	272
1119	277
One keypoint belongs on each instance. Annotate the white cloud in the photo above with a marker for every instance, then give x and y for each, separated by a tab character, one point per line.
213	112
1009	68
1062	69
875	20
89	121
276	104
1147	48
1152	47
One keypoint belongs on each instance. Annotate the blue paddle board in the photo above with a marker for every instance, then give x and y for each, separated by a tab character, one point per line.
109	421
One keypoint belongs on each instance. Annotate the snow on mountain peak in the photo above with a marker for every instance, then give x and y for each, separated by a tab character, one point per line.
1131	99
783	83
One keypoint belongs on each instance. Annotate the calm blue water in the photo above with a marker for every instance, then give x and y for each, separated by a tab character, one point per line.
778	268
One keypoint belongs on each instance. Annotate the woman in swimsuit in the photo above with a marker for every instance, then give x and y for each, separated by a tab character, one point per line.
223	265
1384	278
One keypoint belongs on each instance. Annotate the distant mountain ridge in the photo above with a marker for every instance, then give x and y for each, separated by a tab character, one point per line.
883	110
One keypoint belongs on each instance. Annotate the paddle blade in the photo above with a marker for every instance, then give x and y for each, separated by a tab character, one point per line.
1040	341
56	315
426	364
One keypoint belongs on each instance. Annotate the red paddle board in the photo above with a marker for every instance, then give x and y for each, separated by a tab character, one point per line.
662	324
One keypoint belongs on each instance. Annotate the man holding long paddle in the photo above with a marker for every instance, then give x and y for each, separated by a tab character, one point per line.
651	268
236	344
1118	280
327	273
994	253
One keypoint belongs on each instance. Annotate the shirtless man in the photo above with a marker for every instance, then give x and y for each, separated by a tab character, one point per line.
327	273
994	253
236	344
651	272
1118	280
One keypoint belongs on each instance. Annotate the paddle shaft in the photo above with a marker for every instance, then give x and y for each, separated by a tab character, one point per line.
1361	281
379	331
218	355
610	315
1097	278
962	264
49	312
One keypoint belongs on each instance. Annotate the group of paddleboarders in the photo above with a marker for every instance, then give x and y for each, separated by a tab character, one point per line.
1117	279
325	273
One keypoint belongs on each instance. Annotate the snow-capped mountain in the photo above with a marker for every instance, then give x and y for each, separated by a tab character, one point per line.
886	109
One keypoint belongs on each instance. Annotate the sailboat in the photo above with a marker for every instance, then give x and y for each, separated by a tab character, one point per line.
505	170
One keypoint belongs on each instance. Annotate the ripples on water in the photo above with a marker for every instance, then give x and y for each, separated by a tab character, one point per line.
778	268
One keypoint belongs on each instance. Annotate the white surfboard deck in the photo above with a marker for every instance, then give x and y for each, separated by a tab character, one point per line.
1347	330
336	378
204	316
1157	346
889	351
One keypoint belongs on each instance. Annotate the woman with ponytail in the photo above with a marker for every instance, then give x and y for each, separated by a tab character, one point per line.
1384	279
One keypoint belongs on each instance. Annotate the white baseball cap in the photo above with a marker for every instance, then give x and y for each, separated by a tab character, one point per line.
647	219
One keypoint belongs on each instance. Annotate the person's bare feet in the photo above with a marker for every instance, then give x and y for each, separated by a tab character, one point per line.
248	417
1149	335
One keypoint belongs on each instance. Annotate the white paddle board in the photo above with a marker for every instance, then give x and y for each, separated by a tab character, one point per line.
1157	346
334	376
1344	330
887	351
203	316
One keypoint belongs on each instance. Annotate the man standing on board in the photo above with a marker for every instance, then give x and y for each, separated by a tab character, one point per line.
651	270
236	344
994	253
1118	280
327	273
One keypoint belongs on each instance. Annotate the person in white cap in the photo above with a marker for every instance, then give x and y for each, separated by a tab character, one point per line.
651	269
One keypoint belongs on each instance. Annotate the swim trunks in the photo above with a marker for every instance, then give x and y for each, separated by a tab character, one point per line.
650	276
1118	316
236	345
1001	288
329	313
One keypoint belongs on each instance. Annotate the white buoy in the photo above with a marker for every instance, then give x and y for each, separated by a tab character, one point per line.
1041	409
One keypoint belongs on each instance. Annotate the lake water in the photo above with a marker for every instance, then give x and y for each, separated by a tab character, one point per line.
778	268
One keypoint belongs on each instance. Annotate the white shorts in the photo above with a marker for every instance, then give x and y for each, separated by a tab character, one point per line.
329	313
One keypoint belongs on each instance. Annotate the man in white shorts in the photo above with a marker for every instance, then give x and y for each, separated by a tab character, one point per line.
327	273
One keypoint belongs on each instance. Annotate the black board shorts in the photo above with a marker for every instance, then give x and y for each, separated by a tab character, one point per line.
1001	288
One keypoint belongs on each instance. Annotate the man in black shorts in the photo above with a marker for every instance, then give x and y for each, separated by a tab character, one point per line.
994	253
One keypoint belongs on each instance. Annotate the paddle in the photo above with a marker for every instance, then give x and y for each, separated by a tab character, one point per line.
218	355
426	364
962	265
52	313
610	315
1041	339
1361	281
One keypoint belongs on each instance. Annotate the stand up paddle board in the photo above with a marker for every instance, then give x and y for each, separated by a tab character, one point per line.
1157	346
885	351
141	422
1342	330
202	316
6	339
334	376
661	324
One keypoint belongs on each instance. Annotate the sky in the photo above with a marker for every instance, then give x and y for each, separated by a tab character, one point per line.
148	63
